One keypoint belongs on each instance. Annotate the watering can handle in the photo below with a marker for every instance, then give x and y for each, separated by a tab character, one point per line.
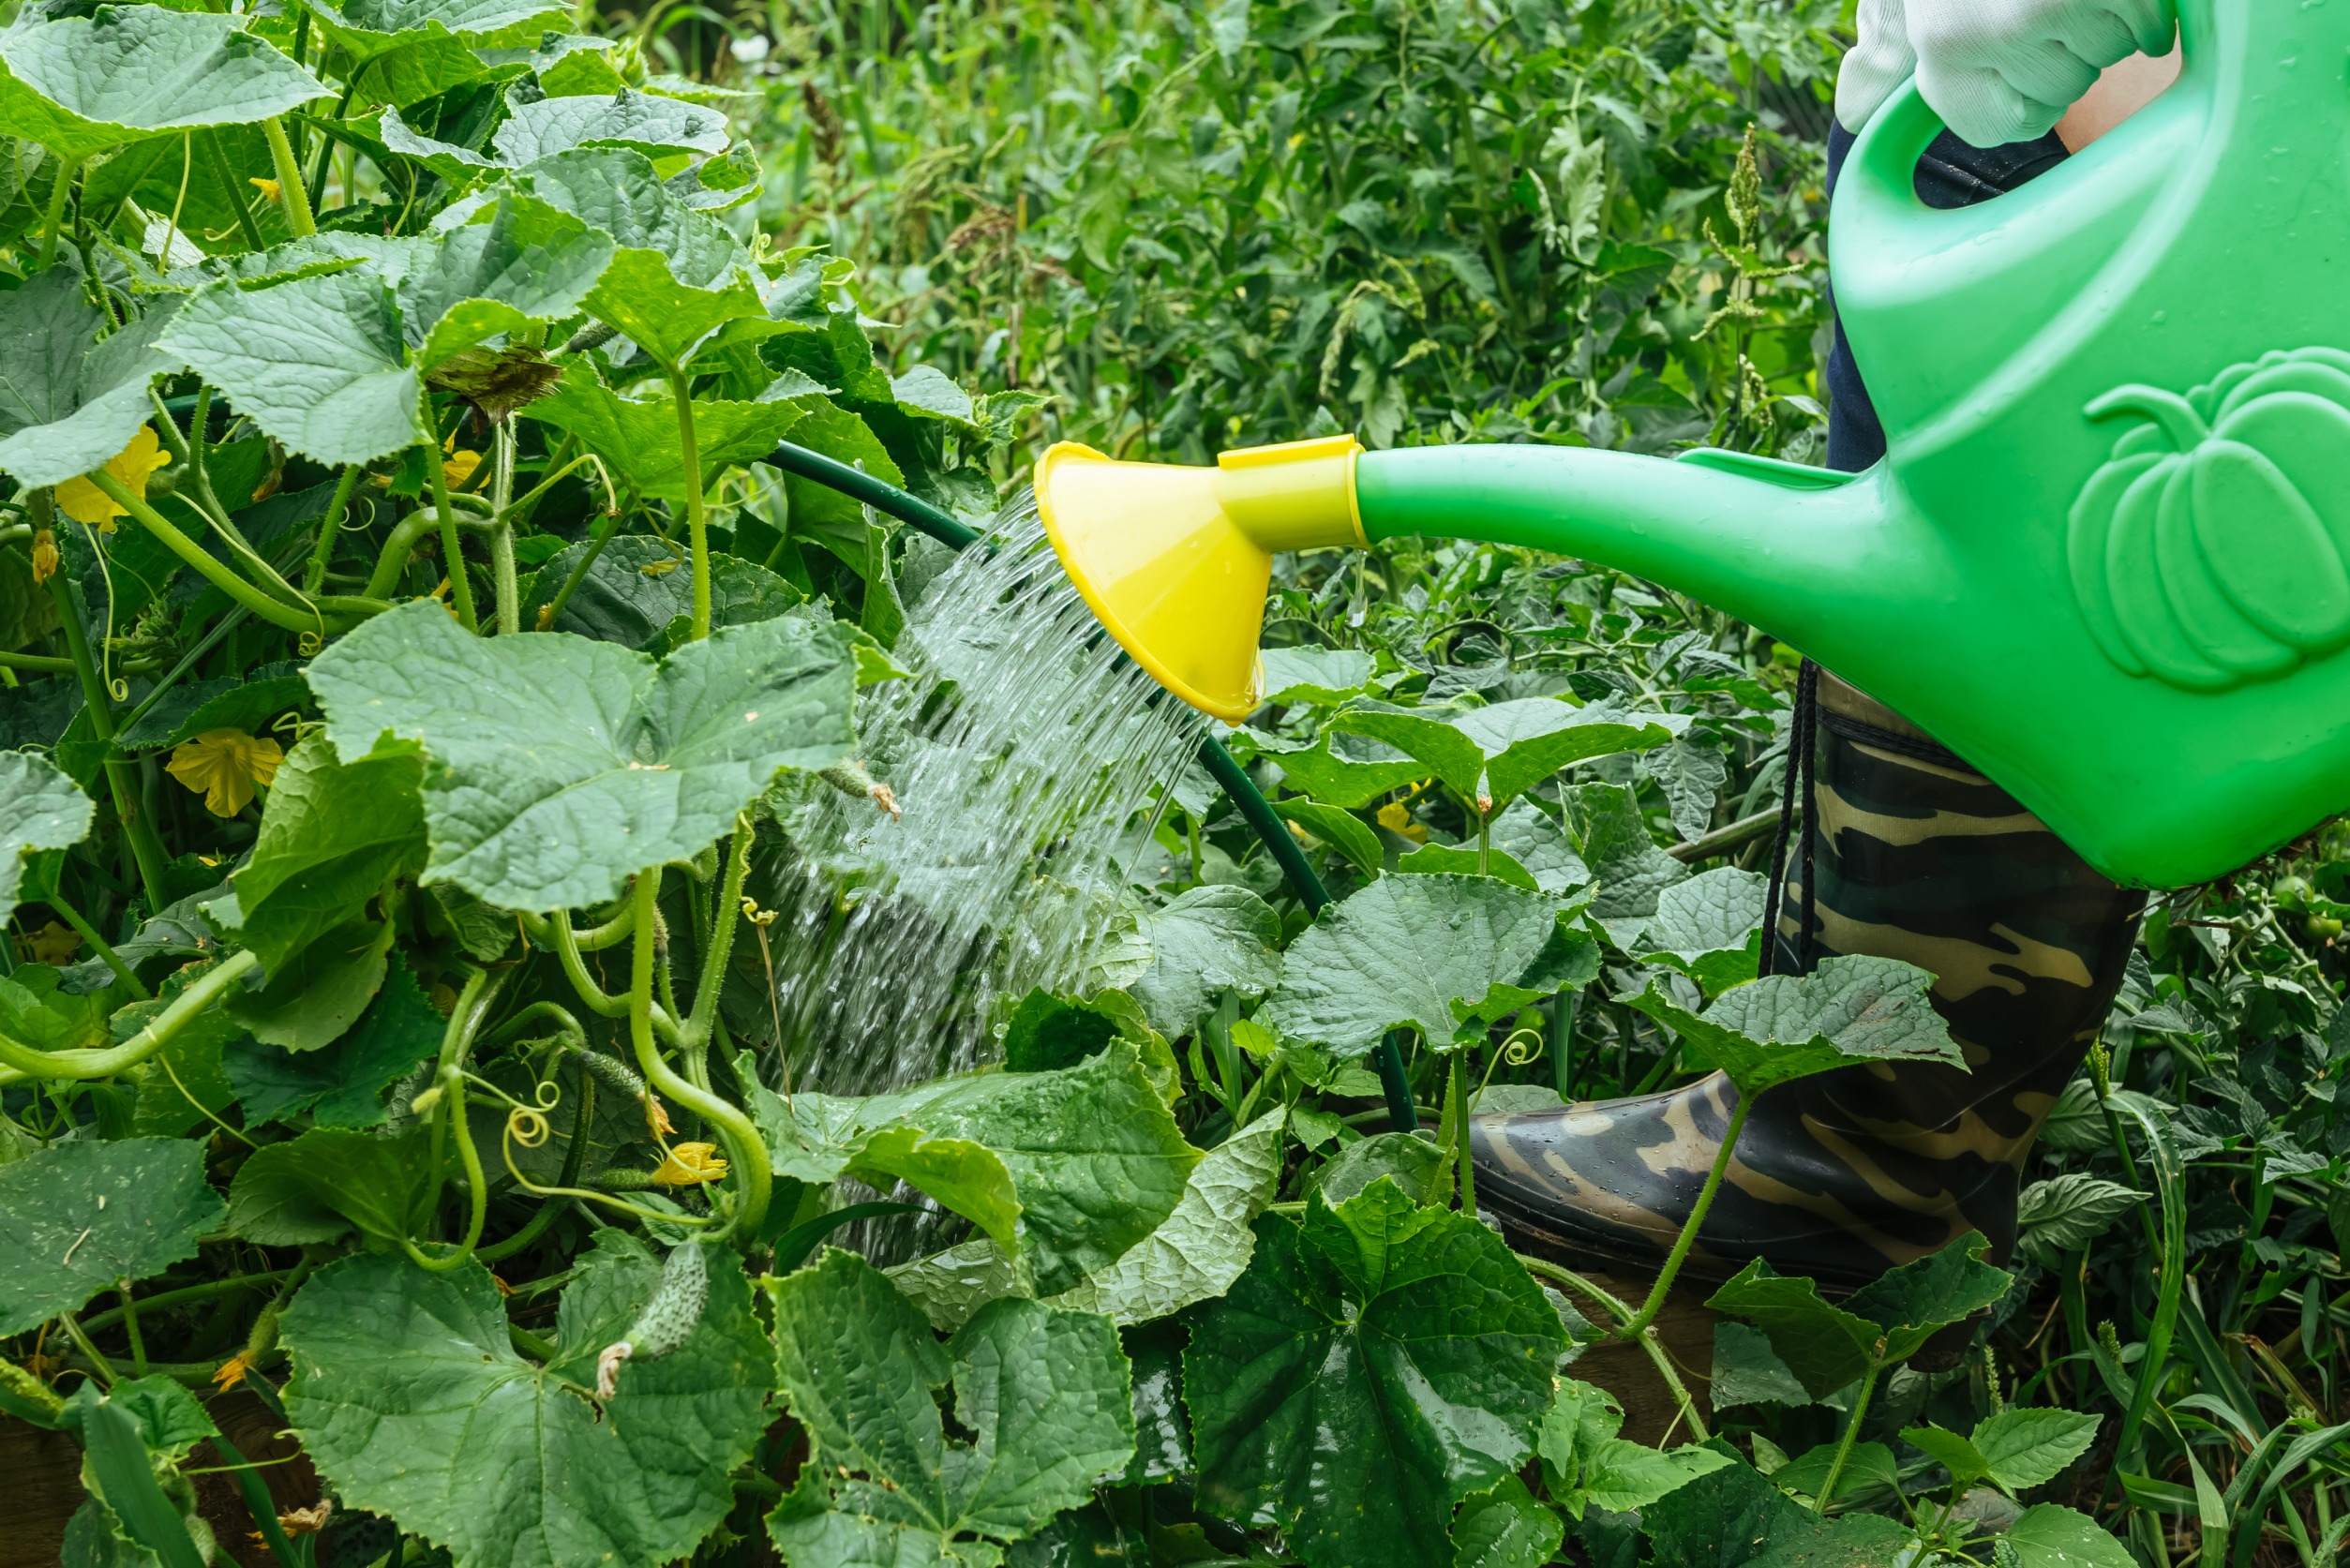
1882	171
1940	305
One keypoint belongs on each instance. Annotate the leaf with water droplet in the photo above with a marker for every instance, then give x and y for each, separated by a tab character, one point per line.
1044	1394
1423	951
1373	1366
1783	1027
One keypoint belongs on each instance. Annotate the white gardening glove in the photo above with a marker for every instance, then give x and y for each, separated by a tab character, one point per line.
2006	71
1880	62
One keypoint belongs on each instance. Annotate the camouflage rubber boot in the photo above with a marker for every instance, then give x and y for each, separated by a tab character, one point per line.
1913	856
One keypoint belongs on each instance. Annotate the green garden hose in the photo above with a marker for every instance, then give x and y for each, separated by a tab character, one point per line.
1221	764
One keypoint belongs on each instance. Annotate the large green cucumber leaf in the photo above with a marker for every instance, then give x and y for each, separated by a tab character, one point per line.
558	768
1045	1394
1065	1170
617	191
1828	1344
410	1399
518	262
1633	872
77	1217
1194	1255
653	126
1205	942
679	275
1201	1247
1408	950
330	1180
1316	674
39	809
1709	928
1732	1517
332	835
371	29
316	362
69	402
341	1084
1344	769
638	435
1501	751
1782	1027
642	294
81	84
1504	1527
637	587
1373	1366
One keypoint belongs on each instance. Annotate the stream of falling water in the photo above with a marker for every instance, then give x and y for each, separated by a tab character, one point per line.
1025	751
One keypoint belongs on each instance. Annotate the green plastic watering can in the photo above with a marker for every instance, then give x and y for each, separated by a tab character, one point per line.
2104	559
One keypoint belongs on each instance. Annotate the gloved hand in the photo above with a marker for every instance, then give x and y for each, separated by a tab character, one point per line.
1880	62
2006	71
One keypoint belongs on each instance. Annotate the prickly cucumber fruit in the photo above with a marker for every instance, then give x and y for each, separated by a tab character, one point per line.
669	1319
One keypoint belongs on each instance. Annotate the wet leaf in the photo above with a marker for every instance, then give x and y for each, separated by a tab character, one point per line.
1503	1527
1066	1170
1044	1394
1205	942
1406	950
77	1217
413	1403
1373	1366
1201	1247
1783	1027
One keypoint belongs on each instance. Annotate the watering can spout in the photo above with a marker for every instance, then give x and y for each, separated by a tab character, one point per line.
1176	560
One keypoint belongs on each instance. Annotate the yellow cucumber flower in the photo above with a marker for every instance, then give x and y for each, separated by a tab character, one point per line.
224	766
691	1164
52	944
84	502
1396	817
457	467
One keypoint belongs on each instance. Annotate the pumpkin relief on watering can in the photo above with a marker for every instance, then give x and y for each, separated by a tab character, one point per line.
2209	550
